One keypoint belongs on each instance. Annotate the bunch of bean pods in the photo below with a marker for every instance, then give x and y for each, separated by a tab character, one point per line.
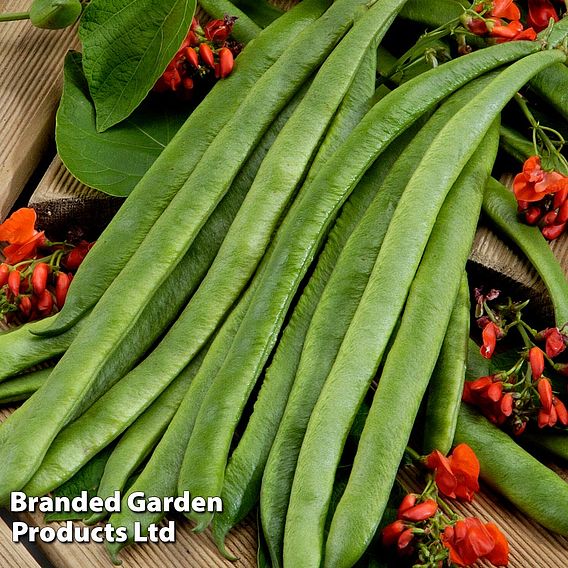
296	250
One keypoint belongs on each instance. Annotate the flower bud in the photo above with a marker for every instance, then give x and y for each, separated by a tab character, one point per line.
536	360
391	533
4	273
25	305
14	281
61	286
39	278
226	62
54	14
407	502
545	394
206	55
45	303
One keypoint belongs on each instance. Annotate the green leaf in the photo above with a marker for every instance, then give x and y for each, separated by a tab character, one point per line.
112	161
260	11
127	45
87	479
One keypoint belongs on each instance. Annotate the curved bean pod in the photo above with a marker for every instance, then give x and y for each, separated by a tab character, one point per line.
446	385
142	436
123	403
151	196
244	470
22	387
555	443
531	486
334	313
160	475
298	240
412	356
500	206
20	349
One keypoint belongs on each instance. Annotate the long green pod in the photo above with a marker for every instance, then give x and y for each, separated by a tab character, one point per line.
123	403
551	85
406	373
160	475
244	29
261	11
515	144
555	443
446	385
151	196
278	177
22	387
500	206
74	380
142	436
435	13
367	32
357	102
300	236
333	315
20	349
531	486
244	470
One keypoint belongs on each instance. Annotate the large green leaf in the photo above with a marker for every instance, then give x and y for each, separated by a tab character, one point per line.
112	161
127	45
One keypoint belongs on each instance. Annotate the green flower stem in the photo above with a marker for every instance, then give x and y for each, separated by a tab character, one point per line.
14	16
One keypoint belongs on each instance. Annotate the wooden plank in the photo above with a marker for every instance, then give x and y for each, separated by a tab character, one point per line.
30	87
530	545
13	555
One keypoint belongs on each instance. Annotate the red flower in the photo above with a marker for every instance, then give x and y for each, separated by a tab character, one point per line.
391	533
20	234
470	540
219	30
540	13
554	342
420	512
489	335
534	183
457	475
500	9
19	228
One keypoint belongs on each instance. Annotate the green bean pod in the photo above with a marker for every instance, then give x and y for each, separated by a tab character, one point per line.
551	85
531	486
515	144
334	313
244	29
123	403
434	14
261	11
23	386
244	470
74	381
297	241
160	475
151	196
142	436
20	349
412	358
365	35
555	443
500	206
446	385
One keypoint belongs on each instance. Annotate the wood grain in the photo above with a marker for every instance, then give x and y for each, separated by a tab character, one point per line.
30	86
13	555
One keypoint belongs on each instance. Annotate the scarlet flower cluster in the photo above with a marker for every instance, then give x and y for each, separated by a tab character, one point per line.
499	19
424	532
523	392
542	198
205	53
32	281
